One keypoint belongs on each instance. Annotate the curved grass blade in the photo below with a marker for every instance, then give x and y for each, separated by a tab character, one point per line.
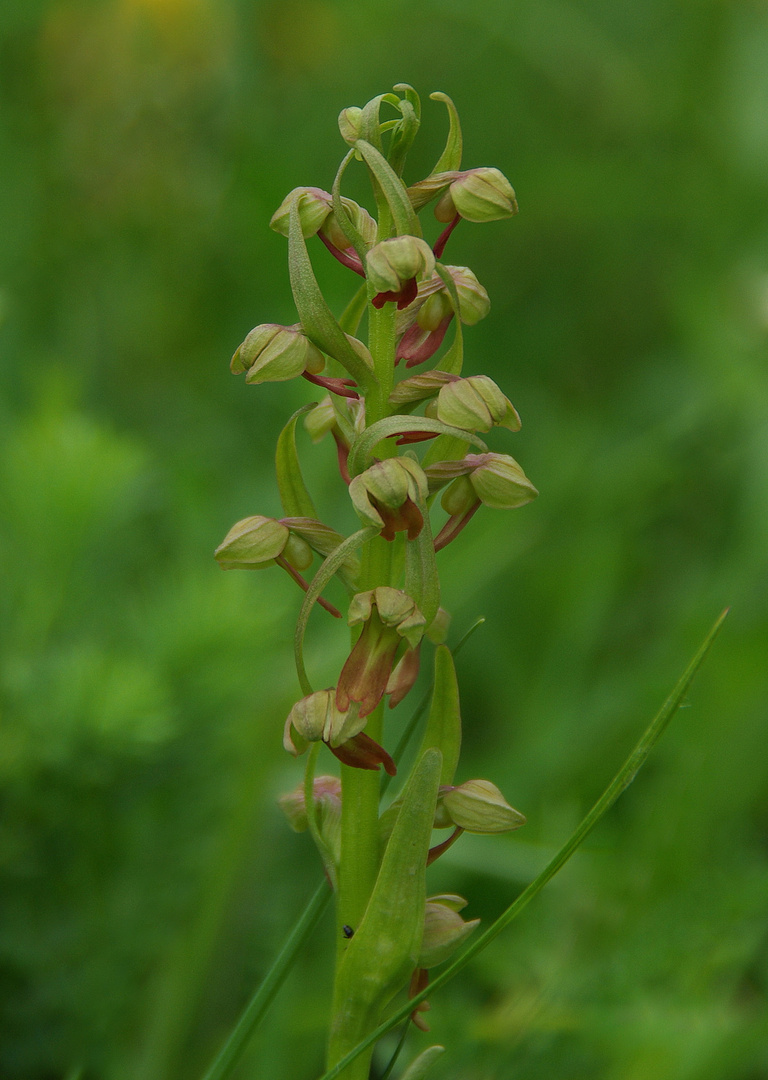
620	782
296	500
232	1051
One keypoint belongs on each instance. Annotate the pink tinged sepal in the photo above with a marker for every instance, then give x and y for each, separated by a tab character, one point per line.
404	676
362	752
417	345
389	617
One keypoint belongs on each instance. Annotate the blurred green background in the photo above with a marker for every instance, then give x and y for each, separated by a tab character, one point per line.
147	876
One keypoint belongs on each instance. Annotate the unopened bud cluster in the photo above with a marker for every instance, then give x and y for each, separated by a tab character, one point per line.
401	439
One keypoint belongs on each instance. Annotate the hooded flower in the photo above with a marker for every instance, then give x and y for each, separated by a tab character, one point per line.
387	495
390	618
273	353
394	266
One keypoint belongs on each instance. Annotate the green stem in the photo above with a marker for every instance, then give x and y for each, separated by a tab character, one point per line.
381	342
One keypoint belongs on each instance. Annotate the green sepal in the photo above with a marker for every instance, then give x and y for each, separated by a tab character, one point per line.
453	359
382	955
443	728
450	159
296	500
317	319
403	216
420	1065
363	446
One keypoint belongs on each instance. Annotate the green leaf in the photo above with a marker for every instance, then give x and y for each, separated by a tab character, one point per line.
296	500
403	216
450	159
444	724
383	953
622	780
363	446
329	567
316	317
453	359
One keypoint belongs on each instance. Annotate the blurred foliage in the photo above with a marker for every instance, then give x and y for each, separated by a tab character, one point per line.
146	876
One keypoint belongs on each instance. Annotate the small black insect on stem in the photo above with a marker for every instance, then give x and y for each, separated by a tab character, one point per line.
347	931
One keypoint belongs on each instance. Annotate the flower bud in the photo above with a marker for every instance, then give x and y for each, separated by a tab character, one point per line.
459	497
391	264
315	718
351	124
361	219
390	616
327	798
476	404
314	207
444	931
272	353
499	482
434	309
297	552
478	195
474	303
320	420
252	543
387	495
477	806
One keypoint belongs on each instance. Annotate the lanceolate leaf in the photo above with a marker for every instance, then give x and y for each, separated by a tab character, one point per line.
403	216
317	319
364	444
444	724
296	500
383	952
453	360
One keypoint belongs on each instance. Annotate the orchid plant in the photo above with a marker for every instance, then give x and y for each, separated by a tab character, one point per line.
409	452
